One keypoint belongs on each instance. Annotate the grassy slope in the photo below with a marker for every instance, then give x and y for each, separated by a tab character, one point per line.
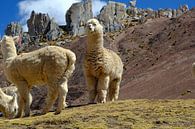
135	114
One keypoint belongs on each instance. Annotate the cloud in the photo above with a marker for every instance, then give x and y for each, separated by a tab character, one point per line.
97	6
55	9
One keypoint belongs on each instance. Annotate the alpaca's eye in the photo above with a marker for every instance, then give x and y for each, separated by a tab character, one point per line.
94	24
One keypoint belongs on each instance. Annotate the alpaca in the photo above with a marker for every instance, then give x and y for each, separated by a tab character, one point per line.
10	90
103	68
9	101
51	66
8	104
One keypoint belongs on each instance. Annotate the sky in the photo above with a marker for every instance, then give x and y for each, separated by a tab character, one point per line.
19	10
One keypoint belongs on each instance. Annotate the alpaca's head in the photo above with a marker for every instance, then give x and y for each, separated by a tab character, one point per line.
94	27
12	107
8	47
9	108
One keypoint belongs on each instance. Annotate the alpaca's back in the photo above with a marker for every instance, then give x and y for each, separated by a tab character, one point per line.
38	66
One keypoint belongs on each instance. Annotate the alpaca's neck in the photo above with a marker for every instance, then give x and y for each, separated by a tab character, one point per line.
95	42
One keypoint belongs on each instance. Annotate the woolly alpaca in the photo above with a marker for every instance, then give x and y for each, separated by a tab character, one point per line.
9	101
8	104
102	67
51	66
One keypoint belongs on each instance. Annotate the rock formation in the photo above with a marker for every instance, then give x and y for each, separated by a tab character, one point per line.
41	26
13	29
77	15
114	16
132	10
111	16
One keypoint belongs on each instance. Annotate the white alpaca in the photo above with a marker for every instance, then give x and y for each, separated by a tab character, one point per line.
9	101
102	67
51	66
8	104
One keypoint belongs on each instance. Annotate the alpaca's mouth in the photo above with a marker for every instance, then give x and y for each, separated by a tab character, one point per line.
91	29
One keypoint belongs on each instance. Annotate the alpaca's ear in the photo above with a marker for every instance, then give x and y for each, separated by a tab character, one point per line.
16	39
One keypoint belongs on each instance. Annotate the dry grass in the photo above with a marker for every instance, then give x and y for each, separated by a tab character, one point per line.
128	114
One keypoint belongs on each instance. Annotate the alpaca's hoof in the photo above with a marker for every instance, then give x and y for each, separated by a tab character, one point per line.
18	116
57	112
65	105
27	115
101	100
43	113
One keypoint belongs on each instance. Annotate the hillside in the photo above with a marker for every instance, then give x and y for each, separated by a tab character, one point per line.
157	56
129	114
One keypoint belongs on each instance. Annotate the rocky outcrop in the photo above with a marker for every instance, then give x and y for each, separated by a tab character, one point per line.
112	15
13	29
41	26
144	14
132	11
77	15
53	31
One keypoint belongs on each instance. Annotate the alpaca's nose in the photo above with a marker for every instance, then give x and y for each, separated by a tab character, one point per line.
90	26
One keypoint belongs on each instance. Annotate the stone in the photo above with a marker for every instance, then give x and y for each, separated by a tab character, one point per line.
133	3
53	31
182	9
77	15
37	24
174	13
13	29
112	16
40	27
150	13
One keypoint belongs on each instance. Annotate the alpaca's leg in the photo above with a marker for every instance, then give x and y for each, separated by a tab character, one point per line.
91	85
23	103
63	90
51	97
20	107
114	89
27	104
102	88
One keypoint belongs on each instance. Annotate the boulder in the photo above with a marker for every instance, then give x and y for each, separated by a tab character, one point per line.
132	3
112	16
77	15
41	26
37	24
53	31
182	9
13	29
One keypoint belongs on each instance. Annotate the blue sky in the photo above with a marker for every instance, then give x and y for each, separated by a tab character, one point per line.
19	10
